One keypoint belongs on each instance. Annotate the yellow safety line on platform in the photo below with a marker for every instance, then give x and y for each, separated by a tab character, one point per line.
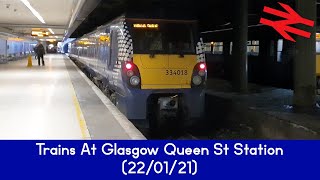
82	122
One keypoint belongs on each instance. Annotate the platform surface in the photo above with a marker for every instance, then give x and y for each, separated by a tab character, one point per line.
56	102
262	113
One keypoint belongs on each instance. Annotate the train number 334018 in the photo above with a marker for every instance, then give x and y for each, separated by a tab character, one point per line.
176	72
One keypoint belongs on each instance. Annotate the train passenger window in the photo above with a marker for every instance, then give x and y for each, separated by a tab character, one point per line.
253	48
318	46
214	47
279	50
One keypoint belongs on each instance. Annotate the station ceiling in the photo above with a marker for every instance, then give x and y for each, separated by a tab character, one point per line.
17	18
212	14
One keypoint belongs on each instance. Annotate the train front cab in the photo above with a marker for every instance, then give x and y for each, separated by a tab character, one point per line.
167	69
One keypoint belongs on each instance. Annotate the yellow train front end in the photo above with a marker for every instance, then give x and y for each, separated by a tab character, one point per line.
169	59
165	71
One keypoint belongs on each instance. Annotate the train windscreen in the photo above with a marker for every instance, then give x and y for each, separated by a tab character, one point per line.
165	38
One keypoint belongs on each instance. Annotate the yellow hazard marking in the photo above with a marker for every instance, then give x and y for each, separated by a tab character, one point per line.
82	122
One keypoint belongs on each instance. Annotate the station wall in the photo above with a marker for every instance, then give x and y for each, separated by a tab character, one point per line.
15	48
3	45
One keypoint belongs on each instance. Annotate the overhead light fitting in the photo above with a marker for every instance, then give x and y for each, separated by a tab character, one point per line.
51	31
39	33
34	12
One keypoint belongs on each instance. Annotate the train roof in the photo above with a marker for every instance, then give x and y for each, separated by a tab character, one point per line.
128	17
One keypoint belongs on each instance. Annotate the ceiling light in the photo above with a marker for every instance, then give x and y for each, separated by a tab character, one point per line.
34	12
51	31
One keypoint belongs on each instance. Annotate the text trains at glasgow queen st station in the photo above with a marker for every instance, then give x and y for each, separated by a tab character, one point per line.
149	68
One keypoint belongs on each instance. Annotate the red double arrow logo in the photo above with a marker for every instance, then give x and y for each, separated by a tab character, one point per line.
290	17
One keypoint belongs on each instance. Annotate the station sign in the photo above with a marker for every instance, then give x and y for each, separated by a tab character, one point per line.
291	18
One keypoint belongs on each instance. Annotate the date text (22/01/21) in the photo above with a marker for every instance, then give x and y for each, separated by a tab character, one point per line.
160	167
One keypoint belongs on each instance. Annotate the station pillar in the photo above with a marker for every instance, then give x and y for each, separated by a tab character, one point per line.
239	47
305	59
226	48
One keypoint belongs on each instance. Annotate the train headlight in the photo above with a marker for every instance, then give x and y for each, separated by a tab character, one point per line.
202	73
130	73
197	80
134	80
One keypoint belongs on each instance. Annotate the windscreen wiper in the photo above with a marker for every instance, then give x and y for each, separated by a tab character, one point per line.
181	54
152	54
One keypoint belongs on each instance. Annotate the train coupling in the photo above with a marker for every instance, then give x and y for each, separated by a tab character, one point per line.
169	103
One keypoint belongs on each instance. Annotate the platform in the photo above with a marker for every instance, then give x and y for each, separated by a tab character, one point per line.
56	101
263	113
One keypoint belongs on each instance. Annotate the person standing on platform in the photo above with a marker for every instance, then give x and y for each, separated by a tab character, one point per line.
40	51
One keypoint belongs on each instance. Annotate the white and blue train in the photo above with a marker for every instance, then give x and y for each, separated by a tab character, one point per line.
151	69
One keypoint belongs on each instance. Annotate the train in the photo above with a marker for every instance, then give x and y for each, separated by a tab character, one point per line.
153	70
14	48
278	67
